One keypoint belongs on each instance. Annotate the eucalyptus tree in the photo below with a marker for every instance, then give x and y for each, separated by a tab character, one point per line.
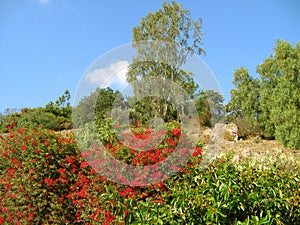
273	99
163	41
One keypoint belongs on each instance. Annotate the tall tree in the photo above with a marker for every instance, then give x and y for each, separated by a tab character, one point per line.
244	98
273	100
97	105
280	93
209	105
163	40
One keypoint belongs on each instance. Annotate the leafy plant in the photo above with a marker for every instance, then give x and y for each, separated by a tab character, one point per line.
272	100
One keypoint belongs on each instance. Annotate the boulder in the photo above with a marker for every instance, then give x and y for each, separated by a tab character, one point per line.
211	135
206	135
217	134
231	132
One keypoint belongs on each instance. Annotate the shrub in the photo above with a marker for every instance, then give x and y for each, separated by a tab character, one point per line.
247	129
45	180
37	170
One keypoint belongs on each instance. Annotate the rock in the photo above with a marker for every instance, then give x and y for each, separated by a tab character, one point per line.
217	134
246	153
278	151
194	137
206	135
228	132
231	132
236	158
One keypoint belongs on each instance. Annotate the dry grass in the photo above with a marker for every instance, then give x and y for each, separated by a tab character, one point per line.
267	153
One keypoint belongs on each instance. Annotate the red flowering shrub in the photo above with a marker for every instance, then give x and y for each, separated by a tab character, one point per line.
44	179
37	170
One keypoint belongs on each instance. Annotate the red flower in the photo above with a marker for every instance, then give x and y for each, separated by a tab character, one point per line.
34	143
20	131
49	181
109	217
174	167
61	170
116	125
2	220
159	185
128	191
183	170
158	175
82	193
126	212
170	142
7	186
156	201
4	209
176	132
191	165
83	165
197	151
48	156
14	160
70	195
23	148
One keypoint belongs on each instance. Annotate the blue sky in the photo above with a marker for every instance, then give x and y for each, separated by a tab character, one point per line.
47	45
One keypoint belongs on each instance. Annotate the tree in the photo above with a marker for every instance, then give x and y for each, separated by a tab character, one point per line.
61	107
209	105
280	93
244	99
273	100
216	107
163	40
97	105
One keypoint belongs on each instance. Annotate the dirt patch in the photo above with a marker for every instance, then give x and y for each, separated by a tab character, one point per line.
271	147
267	153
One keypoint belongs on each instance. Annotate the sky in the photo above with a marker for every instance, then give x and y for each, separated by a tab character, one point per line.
47	46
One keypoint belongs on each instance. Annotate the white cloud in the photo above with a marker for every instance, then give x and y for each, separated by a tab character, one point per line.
113	75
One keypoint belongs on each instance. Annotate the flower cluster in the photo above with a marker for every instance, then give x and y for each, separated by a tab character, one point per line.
45	179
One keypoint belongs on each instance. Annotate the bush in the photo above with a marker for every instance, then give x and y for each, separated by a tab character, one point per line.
247	129
37	170
45	180
39	118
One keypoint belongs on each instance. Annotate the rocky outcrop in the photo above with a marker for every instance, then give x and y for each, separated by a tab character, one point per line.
231	132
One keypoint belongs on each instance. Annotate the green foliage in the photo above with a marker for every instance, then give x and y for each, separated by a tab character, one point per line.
247	129
7	120
171	24
54	116
61	107
39	118
244	98
44	179
176	36
146	109
209	105
273	101
37	170
97	105
226	194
